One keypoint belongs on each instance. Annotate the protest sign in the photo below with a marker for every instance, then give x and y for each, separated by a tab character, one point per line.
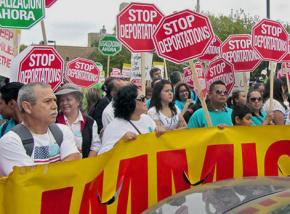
143	175
82	72
38	64
21	14
9	41
221	69
237	49
135	25
213	50
183	36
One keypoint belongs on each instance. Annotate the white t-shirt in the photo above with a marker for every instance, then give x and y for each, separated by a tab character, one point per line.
108	114
118	127
167	122
76	130
45	150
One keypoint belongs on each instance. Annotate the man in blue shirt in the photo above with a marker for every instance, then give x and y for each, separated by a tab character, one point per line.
219	113
8	106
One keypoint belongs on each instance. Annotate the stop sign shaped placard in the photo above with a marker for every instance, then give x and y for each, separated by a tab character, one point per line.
136	24
270	40
221	69
213	50
82	72
38	64
183	36
237	49
48	3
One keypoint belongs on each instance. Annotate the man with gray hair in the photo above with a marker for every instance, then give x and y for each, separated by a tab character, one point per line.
38	140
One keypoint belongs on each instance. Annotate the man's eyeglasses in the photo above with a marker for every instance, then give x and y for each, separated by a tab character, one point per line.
253	99
218	92
141	98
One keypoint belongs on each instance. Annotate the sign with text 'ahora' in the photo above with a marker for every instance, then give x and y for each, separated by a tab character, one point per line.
38	64
21	14
82	72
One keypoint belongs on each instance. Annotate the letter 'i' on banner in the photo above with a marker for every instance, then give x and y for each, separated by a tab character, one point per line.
264	33
169	43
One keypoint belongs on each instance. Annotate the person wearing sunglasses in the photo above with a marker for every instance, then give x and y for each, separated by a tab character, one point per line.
255	103
220	114
130	118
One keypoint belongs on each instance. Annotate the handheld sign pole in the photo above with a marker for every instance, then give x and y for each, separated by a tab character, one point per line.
43	32
143	80
108	66
287	77
165	70
199	92
245	81
272	74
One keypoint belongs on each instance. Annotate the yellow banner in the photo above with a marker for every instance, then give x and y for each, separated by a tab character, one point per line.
135	175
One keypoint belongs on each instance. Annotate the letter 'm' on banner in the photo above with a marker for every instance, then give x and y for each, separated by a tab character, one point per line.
171	164
135	174
274	152
56	201
90	203
218	159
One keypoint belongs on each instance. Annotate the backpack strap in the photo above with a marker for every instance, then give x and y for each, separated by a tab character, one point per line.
27	139
56	133
4	126
25	136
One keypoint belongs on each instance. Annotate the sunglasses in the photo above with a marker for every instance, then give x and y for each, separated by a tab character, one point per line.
253	99
141	98
218	92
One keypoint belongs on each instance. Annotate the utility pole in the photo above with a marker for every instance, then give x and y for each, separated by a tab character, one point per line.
268	9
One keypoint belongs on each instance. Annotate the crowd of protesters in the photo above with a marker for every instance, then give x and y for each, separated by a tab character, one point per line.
120	111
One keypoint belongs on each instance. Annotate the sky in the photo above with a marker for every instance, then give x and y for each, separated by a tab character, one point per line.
68	22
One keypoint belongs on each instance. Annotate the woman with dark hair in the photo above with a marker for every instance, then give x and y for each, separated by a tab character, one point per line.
162	108
130	118
279	109
239	97
83	127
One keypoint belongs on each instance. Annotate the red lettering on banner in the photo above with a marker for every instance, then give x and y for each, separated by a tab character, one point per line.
274	152
135	174
171	163
219	159
90	203
249	154
56	201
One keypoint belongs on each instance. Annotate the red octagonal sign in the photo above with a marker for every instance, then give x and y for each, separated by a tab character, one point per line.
38	64
238	50
48	3
221	69
136	24
183	36
82	72
270	40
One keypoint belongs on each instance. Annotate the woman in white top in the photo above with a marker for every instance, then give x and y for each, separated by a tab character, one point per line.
130	120
162	108
83	127
278	108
